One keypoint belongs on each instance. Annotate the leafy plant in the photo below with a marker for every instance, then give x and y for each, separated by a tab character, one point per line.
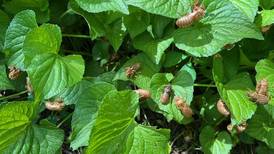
79	76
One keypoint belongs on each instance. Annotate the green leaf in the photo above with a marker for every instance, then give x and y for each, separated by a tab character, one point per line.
44	39
50	74
234	92
84	115
72	94
114	123
155	49
4	81
247	7
136	22
168	8
96	6
4	22
182	86
40	7
261	126
143	75
215	143
265	70
183	83
115	130
266	17
20	26
155	141
219	27
240	106
19	135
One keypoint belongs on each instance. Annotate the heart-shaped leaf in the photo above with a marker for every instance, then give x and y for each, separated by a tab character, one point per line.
19	135
20	26
51	73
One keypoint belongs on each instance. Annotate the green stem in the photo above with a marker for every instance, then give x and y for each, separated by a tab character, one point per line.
65	13
204	85
76	36
64	120
13	95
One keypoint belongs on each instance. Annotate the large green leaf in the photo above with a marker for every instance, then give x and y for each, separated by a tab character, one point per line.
182	86
248	7
19	135
50	73
168	8
44	39
4	22
84	115
234	92
155	49
96	6
155	141
261	126
39	6
20	26
115	125
143	75
219	27
4	81
265	70
215	143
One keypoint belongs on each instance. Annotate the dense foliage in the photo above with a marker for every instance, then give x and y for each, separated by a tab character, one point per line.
123	76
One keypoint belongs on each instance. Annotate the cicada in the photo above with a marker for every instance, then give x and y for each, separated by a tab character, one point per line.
197	13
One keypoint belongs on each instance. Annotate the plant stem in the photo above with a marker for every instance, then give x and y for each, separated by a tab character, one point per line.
64	120
204	85
76	36
13	95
